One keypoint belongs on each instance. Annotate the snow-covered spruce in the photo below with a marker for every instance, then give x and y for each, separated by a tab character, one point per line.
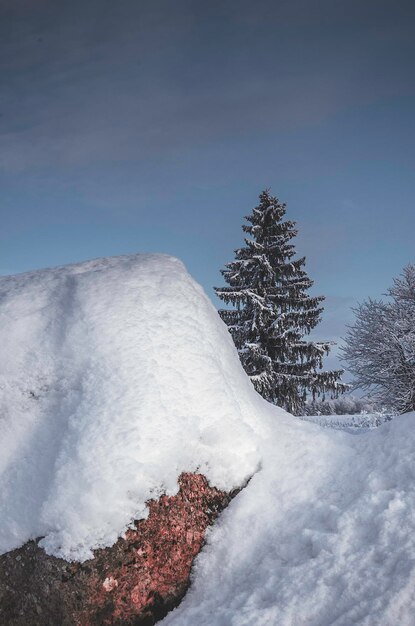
274	312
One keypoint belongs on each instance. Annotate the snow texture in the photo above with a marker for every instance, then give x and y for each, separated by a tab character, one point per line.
323	534
116	375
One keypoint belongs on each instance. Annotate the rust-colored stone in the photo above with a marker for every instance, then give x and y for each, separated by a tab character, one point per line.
135	582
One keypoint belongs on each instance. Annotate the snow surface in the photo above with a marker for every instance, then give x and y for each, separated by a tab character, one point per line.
118	374
322	535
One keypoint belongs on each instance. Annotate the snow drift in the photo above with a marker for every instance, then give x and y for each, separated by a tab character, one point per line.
116	375
324	534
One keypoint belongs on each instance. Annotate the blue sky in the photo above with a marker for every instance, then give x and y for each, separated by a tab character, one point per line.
153	126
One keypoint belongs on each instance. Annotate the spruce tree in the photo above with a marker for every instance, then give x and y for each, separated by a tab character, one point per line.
272	312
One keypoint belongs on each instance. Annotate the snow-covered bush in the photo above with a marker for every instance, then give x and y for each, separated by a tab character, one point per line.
350	423
344	405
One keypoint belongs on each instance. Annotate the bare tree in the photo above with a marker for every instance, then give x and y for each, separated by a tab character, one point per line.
380	346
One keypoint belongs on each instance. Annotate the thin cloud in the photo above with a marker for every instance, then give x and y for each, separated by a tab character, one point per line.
89	84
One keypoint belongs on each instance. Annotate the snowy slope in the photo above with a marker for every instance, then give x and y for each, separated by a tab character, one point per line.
118	374
324	534
115	376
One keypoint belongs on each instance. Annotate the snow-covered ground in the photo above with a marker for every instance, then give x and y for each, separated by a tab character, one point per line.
323	534
118	374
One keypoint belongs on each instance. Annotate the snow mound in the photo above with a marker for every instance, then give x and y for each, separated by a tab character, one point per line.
115	376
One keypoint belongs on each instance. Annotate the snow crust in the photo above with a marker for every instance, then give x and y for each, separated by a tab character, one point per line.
116	375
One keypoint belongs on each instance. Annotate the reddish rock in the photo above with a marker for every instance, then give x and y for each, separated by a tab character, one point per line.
135	582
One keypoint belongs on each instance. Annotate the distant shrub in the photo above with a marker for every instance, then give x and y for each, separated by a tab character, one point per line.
345	405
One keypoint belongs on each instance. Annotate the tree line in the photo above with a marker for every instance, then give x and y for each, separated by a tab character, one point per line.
270	314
